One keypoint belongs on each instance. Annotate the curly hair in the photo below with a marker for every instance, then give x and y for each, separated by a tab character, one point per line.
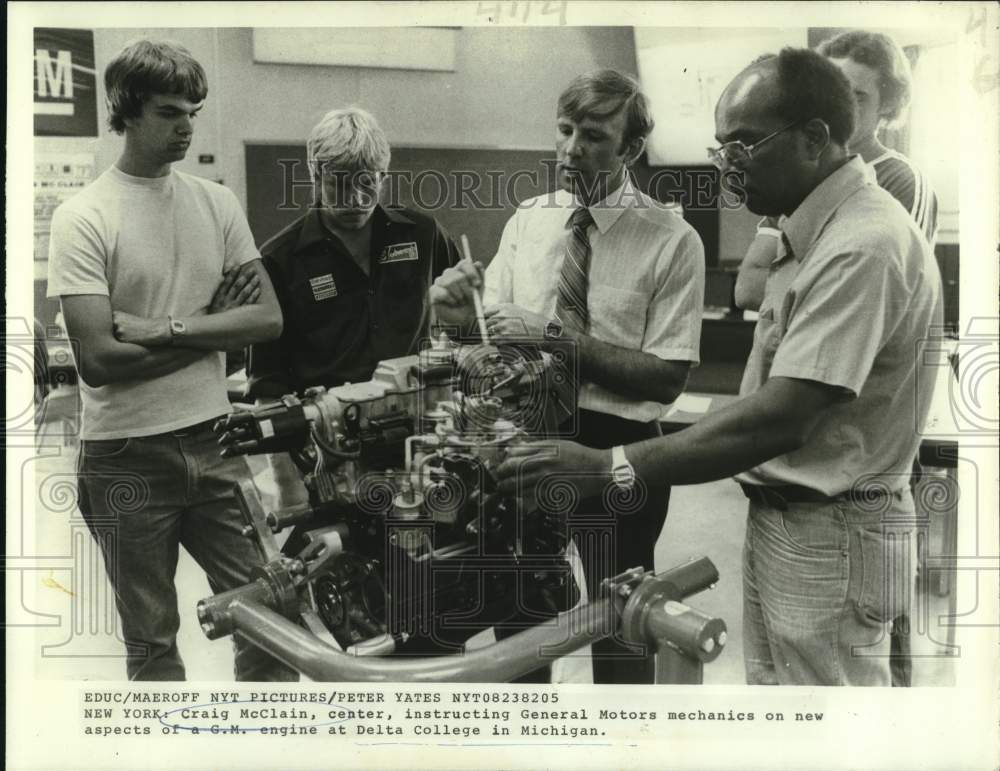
882	54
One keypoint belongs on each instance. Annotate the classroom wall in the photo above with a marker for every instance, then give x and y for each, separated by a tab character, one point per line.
501	94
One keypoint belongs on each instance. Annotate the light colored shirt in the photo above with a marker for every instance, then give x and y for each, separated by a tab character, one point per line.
849	302
646	284
154	247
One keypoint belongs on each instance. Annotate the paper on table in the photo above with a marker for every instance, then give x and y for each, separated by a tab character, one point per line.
697	405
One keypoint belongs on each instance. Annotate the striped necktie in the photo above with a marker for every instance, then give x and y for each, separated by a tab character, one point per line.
571	300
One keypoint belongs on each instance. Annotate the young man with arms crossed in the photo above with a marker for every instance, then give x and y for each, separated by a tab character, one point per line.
144	262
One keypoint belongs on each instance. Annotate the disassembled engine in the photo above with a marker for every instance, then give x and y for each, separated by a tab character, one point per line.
405	546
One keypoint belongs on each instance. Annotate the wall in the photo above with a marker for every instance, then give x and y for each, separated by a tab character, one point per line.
501	94
684	71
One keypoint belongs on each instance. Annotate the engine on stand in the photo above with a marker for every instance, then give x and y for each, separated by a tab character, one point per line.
405	543
406	546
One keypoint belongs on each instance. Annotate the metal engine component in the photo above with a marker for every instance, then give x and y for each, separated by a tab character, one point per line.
406	547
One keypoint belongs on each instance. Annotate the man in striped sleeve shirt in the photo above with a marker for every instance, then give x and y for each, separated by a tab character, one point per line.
879	74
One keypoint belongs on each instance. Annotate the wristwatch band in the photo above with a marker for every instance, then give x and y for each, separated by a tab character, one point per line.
553	330
622	472
177	328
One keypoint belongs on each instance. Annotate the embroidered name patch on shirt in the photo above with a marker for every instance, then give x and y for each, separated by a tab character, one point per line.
323	287
399	253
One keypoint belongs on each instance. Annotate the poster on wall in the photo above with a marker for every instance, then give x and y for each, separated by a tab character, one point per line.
58	177
65	83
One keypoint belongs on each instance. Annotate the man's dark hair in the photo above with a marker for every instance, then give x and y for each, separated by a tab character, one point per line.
811	86
145	68
604	93
882	54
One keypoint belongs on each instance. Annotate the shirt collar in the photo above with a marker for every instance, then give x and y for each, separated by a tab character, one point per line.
313	230
805	224
606	212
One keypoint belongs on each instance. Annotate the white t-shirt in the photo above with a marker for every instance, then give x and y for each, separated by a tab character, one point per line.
646	285
155	247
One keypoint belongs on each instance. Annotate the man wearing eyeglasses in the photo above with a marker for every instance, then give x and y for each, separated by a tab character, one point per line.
351	275
823	436
879	74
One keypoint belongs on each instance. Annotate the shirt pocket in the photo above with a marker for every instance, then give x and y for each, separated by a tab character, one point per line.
324	308
618	316
402	297
403	280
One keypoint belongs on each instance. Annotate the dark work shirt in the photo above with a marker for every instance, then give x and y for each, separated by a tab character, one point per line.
338	322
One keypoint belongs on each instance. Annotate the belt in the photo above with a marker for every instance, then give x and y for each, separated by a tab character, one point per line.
196	428
779	496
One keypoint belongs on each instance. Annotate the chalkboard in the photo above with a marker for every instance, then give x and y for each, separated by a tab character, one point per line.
470	191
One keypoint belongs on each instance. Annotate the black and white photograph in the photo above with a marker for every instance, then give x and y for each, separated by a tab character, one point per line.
518	384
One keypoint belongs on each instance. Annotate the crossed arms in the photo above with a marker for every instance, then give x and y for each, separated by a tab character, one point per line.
115	346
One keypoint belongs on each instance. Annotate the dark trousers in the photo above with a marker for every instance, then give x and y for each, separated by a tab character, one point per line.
612	534
616	532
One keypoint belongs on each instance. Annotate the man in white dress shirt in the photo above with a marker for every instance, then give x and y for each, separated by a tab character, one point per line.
620	275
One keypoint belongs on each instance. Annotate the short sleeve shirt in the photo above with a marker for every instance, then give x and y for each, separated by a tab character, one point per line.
850	300
155	247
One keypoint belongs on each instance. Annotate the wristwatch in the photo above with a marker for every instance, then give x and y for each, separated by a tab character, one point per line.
552	330
622	472
177	328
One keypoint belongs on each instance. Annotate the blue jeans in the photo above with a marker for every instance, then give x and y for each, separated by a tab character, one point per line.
142	498
821	583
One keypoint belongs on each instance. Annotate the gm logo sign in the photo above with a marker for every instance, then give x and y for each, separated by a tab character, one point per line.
65	83
54	78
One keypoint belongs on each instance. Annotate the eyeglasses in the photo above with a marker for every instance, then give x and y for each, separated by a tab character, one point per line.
736	153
